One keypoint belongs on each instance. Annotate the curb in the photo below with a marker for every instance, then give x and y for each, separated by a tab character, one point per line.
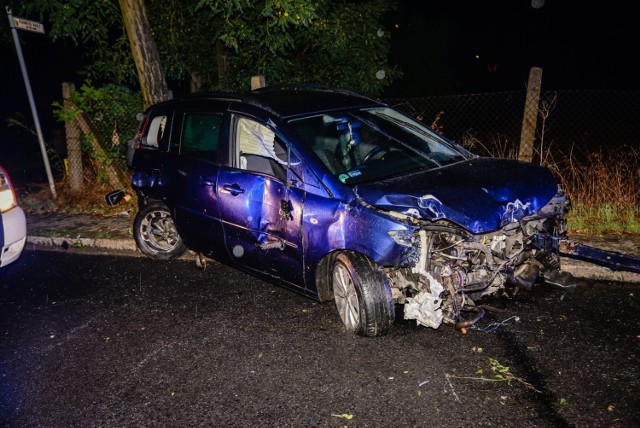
577	268
105	244
592	271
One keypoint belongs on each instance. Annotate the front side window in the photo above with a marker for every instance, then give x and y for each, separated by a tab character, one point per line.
201	135
259	149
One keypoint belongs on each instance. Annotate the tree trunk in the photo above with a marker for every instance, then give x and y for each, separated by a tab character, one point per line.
223	65
74	149
145	52
196	83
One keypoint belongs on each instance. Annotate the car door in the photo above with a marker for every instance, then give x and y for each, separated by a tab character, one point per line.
193	158
260	214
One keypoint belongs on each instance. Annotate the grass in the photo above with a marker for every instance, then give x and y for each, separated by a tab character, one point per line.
38	199
604	219
604	186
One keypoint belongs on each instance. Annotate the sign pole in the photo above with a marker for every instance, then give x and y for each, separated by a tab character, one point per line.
23	67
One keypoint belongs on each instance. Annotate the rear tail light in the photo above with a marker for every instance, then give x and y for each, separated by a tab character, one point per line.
7	194
142	129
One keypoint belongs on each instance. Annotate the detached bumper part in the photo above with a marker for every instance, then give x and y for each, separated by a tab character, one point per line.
610	259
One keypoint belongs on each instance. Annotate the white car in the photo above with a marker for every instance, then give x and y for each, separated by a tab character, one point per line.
13	223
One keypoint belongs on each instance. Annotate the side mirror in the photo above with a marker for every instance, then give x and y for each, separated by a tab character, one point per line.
117	197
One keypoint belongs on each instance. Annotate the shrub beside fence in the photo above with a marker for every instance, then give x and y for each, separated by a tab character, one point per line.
491	123
98	123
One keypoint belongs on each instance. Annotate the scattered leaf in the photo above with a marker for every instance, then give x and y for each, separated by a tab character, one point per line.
346	416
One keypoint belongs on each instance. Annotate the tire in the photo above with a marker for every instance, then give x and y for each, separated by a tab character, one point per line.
156	234
362	294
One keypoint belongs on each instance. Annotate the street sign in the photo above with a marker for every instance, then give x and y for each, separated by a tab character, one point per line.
25	24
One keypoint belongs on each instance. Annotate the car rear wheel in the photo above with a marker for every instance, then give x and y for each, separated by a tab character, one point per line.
362	295
156	234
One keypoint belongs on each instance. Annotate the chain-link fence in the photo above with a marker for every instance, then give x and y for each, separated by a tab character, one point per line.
589	139
490	124
576	122
98	124
583	136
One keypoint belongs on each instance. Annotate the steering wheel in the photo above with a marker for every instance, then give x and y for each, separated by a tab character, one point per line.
373	152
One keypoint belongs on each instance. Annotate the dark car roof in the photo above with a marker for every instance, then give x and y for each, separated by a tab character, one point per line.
302	101
292	101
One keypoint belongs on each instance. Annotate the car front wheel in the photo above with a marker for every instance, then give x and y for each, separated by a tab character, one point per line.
362	295
156	234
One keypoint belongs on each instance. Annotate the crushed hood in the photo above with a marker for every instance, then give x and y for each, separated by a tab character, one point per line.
481	195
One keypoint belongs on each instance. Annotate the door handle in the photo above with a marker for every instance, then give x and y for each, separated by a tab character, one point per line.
234	189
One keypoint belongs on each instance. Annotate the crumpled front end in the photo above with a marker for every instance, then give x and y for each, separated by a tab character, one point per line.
452	268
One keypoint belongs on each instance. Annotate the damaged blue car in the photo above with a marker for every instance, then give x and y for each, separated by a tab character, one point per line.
341	197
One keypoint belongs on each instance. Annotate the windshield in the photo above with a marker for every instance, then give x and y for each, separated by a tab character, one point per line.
360	146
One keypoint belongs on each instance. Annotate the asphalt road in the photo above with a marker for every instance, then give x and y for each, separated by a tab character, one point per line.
112	341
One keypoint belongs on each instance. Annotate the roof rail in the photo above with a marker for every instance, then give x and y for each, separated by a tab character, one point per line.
308	87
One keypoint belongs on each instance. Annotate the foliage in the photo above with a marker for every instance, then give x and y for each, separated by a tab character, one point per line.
331	42
604	187
499	373
112	109
94	25
338	43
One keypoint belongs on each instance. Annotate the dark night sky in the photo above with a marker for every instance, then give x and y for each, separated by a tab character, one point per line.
578	44
443	47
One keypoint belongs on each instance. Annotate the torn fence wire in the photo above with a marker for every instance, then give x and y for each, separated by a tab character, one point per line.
490	328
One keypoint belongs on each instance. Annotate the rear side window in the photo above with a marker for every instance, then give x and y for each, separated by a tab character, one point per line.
201	135
156	132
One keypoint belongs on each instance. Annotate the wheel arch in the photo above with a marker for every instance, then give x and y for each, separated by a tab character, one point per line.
323	272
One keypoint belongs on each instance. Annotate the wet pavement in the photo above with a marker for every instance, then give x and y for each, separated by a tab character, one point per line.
114	234
118	342
115	341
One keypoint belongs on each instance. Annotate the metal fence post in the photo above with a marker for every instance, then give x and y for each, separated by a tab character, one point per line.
530	116
74	151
